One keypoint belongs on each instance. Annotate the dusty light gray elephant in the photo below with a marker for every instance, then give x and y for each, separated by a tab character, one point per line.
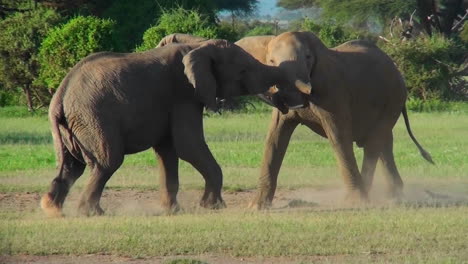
113	104
357	96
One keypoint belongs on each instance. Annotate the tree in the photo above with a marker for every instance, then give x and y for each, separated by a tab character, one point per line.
65	45
130	31
438	14
8	7
22	34
178	20
236	6
356	11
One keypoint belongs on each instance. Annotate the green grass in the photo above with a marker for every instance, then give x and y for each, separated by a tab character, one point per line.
236	140
418	235
411	232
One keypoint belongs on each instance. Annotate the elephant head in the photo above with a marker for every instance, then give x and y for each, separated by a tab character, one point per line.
297	54
219	69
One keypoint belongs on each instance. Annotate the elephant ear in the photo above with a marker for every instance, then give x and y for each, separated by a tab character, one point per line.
179	38
166	40
199	71
256	46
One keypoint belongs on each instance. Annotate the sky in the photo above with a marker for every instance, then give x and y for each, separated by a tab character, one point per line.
267	7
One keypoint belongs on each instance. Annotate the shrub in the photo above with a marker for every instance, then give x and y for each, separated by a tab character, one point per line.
330	33
464	33
132	20
64	46
429	64
229	31
265	29
20	39
178	20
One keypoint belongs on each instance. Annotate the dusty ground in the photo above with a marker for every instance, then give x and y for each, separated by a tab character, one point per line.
105	259
135	202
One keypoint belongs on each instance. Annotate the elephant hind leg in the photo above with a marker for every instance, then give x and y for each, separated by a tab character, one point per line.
393	178
70	170
89	201
103	163
168	176
369	163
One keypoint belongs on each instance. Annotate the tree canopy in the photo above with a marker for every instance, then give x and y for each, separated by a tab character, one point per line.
438	14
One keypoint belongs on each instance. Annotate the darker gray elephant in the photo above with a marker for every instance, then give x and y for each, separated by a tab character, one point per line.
357	96
179	38
113	104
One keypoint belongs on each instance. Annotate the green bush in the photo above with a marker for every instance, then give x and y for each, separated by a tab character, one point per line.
428	64
64	46
331	34
464	33
20	38
231	31
9	97
132	20
178	20
261	30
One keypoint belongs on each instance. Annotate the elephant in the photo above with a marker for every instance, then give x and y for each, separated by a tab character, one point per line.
357	96
290	99
113	104
179	38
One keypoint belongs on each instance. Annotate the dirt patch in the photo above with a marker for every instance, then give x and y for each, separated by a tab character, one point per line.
202	259
146	203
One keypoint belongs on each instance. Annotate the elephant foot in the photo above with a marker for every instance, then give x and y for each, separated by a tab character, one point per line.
395	194
171	207
87	209
50	208
212	201
260	204
356	197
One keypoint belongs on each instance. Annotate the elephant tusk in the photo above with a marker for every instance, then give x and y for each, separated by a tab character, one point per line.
272	91
303	87
266	99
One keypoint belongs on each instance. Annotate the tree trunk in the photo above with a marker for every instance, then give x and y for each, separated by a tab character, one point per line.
27	92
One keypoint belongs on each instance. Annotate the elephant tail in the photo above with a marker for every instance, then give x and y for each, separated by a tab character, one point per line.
423	152
56	117
57	121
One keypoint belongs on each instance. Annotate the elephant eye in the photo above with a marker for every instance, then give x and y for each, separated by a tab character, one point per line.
308	56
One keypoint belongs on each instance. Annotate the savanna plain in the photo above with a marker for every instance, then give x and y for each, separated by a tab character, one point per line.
308	223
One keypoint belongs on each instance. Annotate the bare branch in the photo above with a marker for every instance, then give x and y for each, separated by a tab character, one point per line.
459	23
411	17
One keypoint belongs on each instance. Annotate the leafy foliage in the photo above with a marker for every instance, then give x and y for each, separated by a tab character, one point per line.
429	64
265	29
236	6
20	40
178	20
69	43
355	10
331	34
132	20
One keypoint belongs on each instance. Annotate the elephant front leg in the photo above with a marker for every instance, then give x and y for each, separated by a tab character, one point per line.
201	159
279	134
190	145
342	144
168	176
